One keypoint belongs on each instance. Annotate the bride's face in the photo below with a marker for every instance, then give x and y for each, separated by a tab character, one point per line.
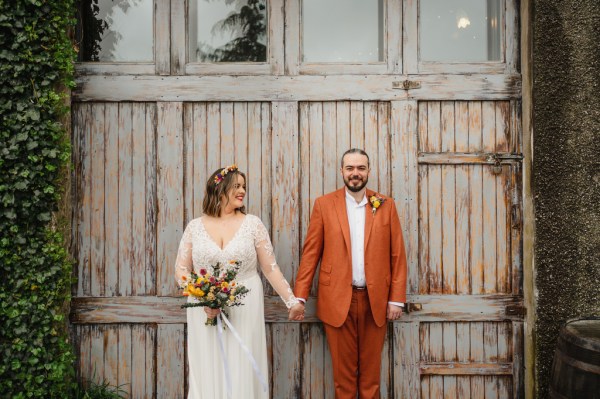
235	196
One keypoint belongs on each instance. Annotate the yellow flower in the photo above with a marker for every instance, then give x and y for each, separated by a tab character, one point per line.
231	298
224	284
211	296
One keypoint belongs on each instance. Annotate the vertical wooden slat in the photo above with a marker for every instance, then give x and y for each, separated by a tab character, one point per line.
448	202
111	354
476	189
463	348
305	149
516	233
97	353
189	163
151	199
286	375
504	356
138	361
490	348
178	41
151	361
371	142
502	126
277	31
477	355
315	128
517	356
125	198
503	230
111	199
162	37
357	125
384	153
343	136
97	201
285	181
200	154
410	34
405	183
227	153
213	132
512	36
330	162
170	361
169	193
436	352
267	146
138	217
394	36
405	349
385	378
292	37
85	352
450	355
488	120
240	137
424	230
255	159
124	378
85	201
463	274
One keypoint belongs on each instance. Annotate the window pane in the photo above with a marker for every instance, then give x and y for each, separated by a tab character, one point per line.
342	30
460	30
117	30
228	31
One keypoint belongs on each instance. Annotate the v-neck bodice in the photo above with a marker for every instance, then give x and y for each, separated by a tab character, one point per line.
201	222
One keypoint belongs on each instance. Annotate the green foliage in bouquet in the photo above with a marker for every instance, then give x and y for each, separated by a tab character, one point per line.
36	69
217	289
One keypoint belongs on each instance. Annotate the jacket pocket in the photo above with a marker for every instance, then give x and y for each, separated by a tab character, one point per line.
325	274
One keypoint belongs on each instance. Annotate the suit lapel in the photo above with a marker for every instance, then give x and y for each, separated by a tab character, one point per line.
342	214
369	217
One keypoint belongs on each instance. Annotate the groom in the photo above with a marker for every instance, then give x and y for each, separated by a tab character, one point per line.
356	235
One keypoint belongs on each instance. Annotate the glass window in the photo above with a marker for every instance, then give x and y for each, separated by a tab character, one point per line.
117	30
342	31
227	31
460	30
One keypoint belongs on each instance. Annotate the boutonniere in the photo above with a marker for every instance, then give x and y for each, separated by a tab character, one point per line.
376	203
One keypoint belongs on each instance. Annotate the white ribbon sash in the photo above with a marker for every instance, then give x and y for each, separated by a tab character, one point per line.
261	378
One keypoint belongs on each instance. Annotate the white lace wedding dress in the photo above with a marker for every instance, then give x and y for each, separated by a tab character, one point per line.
252	247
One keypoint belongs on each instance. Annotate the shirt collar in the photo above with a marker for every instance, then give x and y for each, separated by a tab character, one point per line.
351	199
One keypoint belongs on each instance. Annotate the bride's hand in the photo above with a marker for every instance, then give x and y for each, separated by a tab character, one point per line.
211	313
296	312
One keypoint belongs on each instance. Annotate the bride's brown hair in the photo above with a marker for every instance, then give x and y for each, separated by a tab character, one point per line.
218	186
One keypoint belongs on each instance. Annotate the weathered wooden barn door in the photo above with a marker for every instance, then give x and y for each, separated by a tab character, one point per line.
430	89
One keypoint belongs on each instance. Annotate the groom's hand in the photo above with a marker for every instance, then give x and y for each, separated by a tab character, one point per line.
296	312
394	312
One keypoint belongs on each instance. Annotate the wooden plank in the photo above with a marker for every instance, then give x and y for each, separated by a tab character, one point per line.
463	349
138	187
315	130
316	376
286	380
162	37
125	137
393	32
386	378
462	192
503	230
357	125
516	255
167	309
448	229
330	161
450	355
227	146
97	353
240	137
178	37
434	190
97	154
410	35
85	201
124	376
292	37
285	164
188	163
518	359
474	369
503	138
151	360
343	136
460	158
213	131
384	151
476	218
477	356
490	228
83	335
169	193
151	199
406	352
255	159
138	361
276	34
111	199
362	87
436	386
96	68
200	154
111	354
512	31
404	181
423	246
371	138
170	361
306	202
267	146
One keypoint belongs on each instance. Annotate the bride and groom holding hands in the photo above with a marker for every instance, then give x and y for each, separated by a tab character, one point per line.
353	232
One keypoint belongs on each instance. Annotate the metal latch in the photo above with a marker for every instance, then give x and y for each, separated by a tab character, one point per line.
413	307
495	160
406	84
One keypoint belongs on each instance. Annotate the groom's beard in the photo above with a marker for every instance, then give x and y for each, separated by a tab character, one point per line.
361	183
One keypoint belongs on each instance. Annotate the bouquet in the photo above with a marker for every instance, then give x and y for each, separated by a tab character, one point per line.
215	290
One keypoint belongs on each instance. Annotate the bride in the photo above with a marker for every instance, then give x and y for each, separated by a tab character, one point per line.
225	233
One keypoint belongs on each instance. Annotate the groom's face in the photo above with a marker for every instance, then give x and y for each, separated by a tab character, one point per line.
355	171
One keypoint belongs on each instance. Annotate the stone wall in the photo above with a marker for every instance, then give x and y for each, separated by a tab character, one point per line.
566	169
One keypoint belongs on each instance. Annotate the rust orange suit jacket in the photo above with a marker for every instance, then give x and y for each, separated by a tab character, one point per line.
328	240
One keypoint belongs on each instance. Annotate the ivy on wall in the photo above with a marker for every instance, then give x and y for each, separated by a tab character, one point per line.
36	66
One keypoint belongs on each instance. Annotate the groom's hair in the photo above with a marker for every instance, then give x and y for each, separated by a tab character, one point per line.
354	151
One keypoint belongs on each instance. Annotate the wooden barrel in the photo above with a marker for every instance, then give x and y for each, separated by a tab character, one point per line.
576	366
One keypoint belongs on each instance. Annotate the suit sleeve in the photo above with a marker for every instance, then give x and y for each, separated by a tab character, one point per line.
398	261
311	254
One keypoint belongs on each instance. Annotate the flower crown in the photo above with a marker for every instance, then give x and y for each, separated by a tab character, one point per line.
221	175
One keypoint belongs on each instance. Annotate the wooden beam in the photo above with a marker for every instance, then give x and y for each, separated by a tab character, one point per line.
167	309
453	368
295	88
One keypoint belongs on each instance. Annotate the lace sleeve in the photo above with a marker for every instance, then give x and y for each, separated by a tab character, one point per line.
183	264
269	267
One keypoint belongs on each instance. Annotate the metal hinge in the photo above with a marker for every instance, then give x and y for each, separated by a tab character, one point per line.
406	84
516	310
